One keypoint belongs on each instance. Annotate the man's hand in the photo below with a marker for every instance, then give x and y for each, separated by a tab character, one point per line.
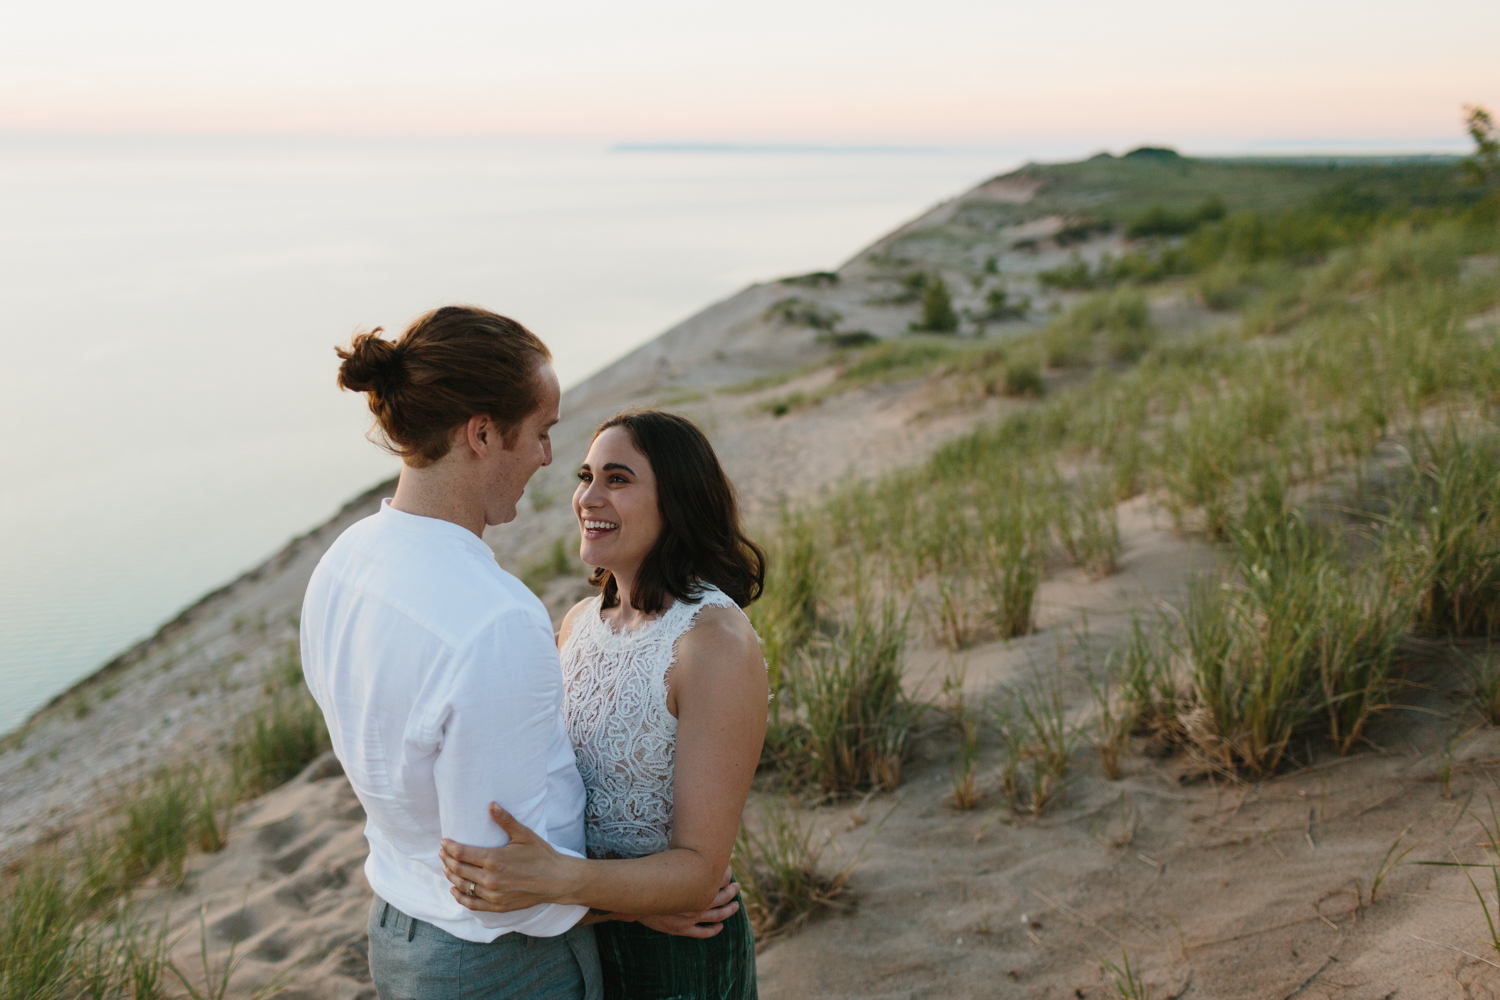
699	925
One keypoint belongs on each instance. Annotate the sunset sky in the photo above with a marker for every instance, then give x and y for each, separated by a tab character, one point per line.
1211	76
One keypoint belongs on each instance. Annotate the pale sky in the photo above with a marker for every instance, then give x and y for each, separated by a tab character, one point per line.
1194	73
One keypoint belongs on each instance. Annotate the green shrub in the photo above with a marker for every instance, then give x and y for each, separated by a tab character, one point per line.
1022	379
851	338
813	279
999	306
937	309
1072	276
800	312
783	405
1160	221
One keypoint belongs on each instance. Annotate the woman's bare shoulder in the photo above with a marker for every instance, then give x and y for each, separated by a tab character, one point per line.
719	632
571	618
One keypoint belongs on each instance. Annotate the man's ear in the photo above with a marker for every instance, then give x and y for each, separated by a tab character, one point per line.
481	434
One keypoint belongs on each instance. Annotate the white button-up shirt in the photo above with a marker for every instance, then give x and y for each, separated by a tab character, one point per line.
438	675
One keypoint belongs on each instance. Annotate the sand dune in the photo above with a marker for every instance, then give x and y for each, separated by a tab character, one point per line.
1217	890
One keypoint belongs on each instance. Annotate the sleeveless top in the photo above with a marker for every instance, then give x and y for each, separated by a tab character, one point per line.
625	739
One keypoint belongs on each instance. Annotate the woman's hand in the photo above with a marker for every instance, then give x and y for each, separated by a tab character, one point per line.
699	925
525	872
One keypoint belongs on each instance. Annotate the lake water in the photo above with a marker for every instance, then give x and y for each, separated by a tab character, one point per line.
168	309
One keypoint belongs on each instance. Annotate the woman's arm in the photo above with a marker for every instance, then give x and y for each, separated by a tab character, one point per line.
718	693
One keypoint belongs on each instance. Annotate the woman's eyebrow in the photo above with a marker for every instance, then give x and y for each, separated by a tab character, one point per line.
616	465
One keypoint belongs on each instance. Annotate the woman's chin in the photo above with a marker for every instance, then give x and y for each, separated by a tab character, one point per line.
593	553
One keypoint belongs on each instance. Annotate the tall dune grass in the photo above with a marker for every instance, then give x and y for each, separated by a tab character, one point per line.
1304	631
779	867
1453	544
853	709
69	928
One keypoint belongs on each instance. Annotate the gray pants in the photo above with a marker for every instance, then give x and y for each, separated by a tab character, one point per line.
411	960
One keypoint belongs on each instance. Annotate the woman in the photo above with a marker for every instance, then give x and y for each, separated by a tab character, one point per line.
665	701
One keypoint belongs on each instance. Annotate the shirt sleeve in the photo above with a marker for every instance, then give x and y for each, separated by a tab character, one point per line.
497	731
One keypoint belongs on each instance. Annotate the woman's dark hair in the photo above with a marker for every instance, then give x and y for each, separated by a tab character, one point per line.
451	364
701	541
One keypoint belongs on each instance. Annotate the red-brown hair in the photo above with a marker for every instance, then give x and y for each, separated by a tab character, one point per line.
701	540
454	363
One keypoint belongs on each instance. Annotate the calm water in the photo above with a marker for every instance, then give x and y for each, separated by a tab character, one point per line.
168	308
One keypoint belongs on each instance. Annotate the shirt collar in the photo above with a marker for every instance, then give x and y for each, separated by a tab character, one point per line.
432	526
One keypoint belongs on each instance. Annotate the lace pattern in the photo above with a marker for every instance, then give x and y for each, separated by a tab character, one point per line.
625	739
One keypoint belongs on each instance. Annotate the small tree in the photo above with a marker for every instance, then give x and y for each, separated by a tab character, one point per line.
937	308
1483	165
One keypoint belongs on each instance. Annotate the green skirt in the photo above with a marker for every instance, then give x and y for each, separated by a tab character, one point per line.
642	964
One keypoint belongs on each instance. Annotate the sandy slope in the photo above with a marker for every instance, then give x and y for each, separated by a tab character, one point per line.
1216	891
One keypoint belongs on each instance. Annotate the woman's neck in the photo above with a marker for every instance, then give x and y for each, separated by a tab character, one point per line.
626	616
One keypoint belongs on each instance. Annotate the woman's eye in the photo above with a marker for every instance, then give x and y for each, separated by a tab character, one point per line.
584	477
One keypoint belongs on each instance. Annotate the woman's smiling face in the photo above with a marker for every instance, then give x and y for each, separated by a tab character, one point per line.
615	504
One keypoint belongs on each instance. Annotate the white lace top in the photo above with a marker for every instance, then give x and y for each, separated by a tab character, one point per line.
615	709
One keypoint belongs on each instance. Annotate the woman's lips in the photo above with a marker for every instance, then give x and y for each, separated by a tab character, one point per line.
597	527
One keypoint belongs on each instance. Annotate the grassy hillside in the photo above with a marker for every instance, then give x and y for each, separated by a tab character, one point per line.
1294	361
1333	435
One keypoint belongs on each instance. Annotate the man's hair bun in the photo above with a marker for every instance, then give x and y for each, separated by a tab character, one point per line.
453	363
371	364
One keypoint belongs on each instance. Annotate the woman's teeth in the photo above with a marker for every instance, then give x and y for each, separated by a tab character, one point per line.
600	525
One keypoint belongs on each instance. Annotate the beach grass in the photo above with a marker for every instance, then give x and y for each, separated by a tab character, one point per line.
779	867
1347	345
38	943
852	706
274	744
